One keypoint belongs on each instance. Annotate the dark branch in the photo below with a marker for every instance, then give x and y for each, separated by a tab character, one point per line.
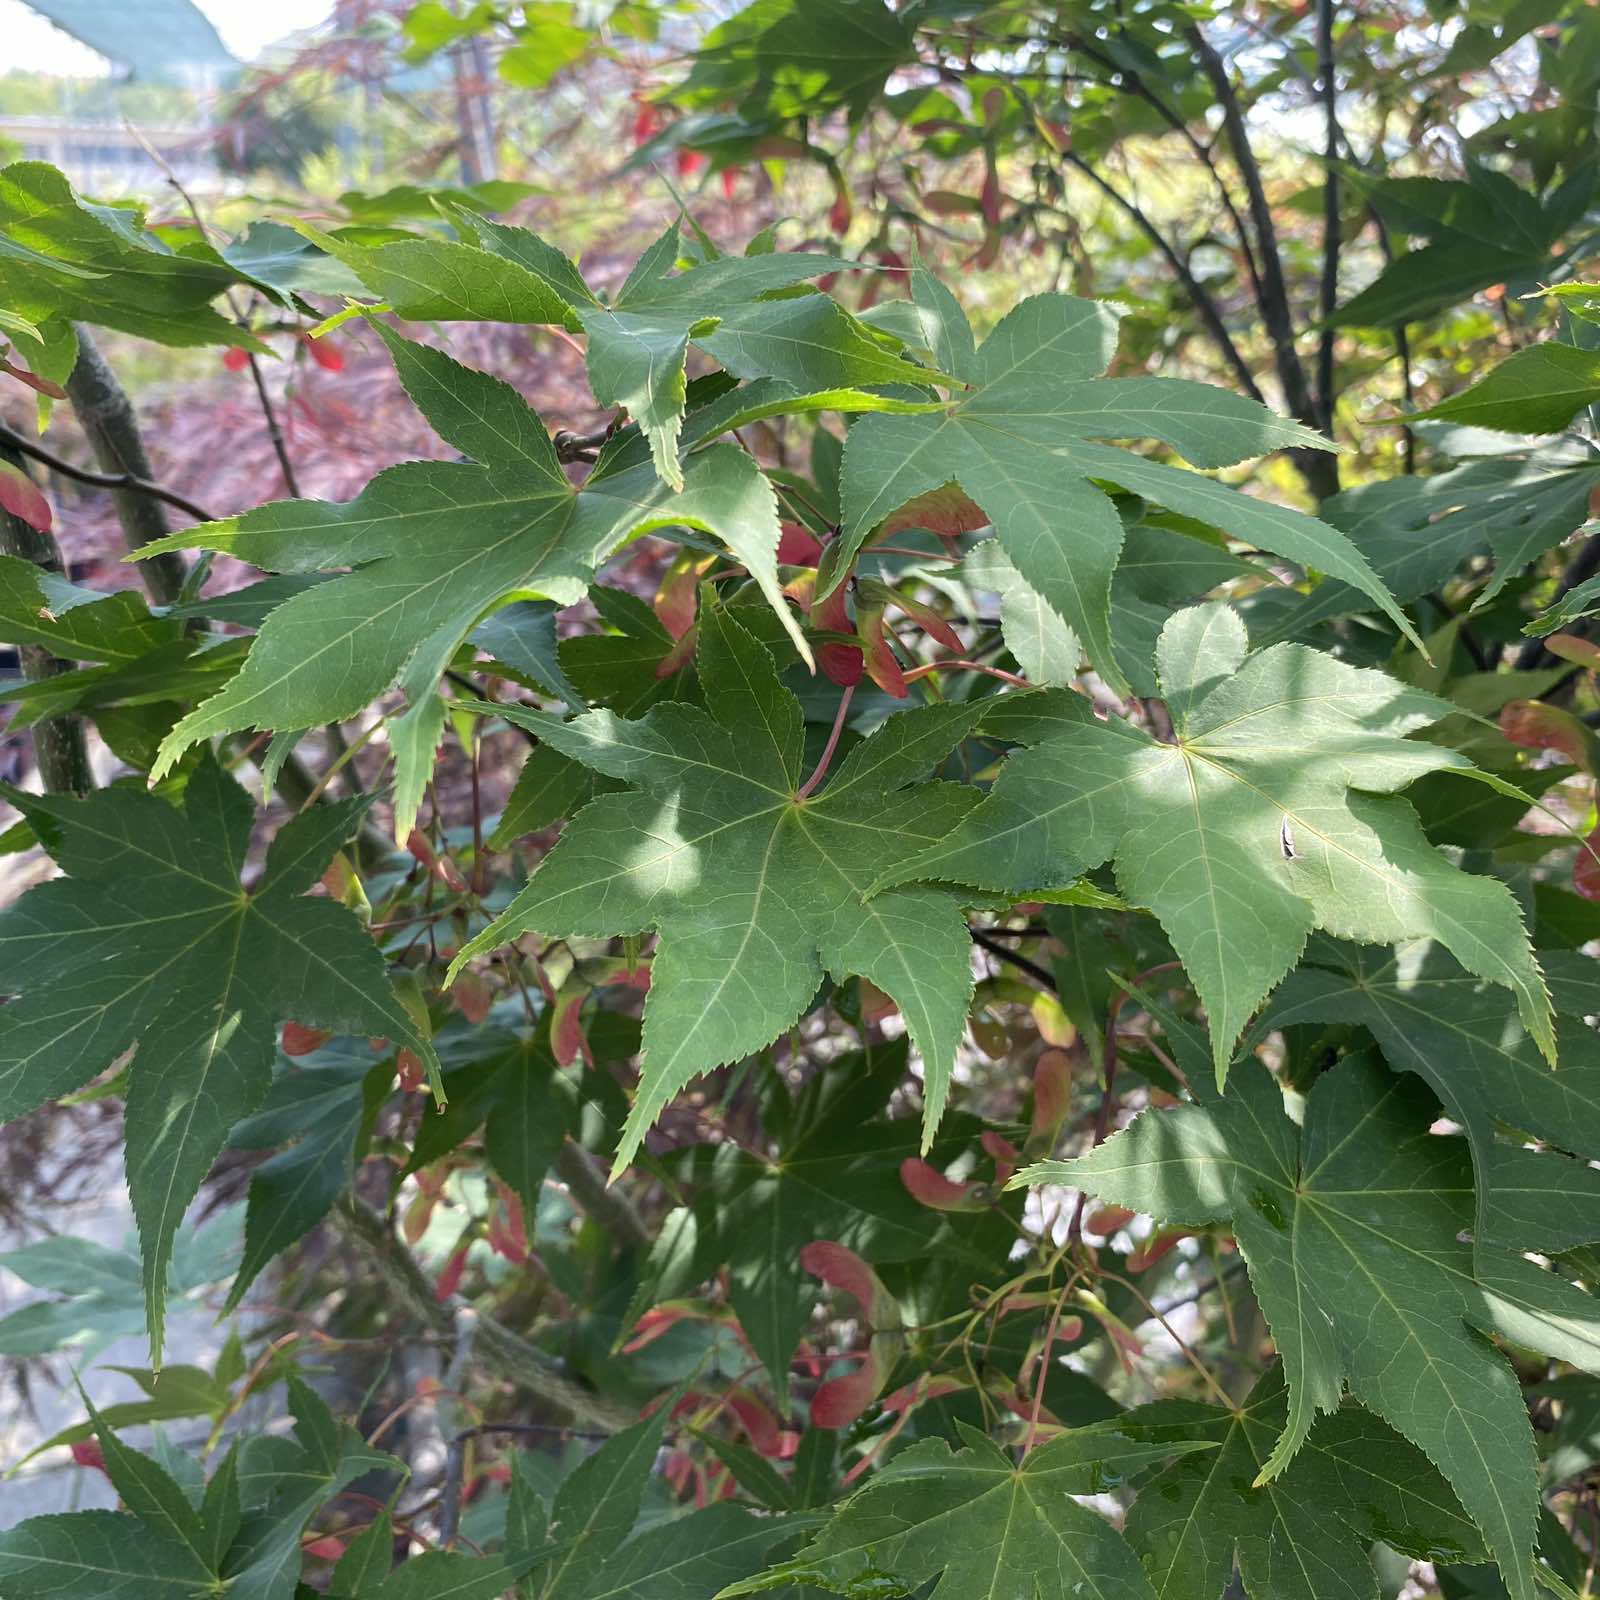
126	481
1322	473
1198	294
1328	89
1013	958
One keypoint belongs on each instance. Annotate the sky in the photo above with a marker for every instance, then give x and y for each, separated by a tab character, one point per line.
246	26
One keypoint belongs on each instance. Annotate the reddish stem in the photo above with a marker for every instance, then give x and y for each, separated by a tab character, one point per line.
967	666
832	744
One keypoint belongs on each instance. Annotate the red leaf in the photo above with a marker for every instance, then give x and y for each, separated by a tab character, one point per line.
944	511
929	1187
87	1453
1570	647
472	997
842	664
508	1235
1586	869
21	497
327	1548
1108	1220
841	211
1155	1247
1005	1154
757	1421
648	121
1536	726
882	666
1052	1096
797	547
326	354
299	1040
841	1400
34	381
876	1006
411	1071
840	1268
567	1041
989	196
441	866
678	594
449	1280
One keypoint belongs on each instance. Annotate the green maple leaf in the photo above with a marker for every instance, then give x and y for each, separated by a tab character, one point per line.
64	257
78	624
1021	444
800	58
737	309
151	942
754	891
1273	813
177	1535
747	312
1451	1029
1354	1228
982	1524
1305	1533
437	544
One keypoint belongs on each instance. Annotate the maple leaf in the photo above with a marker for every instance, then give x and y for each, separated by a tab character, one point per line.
754	890
240	1534
1307	1532
1020	443
747	312
737	309
982	1524
1354	1229
150	941
63	258
437	544
1273	813
1453	1030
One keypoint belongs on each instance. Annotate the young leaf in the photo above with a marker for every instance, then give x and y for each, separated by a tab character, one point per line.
1020	445
1272	814
714	818
151	941
1354	1228
437	544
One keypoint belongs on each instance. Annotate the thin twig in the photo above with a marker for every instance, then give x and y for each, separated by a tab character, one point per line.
1328	88
1197	292
1274	299
268	411
1013	958
102	480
